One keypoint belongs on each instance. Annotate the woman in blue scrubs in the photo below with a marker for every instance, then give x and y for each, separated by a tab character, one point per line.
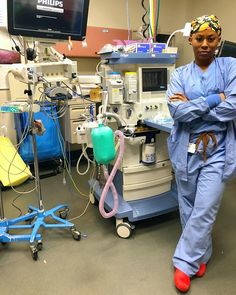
202	144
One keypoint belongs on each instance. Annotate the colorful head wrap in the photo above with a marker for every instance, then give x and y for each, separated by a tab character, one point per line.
206	21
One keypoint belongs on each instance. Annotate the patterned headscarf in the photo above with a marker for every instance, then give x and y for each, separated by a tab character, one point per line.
206	21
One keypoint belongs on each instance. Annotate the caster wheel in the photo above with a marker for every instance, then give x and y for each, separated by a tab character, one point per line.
60	166
30	220
92	199
39	245
34	252
124	230
63	214
35	256
76	234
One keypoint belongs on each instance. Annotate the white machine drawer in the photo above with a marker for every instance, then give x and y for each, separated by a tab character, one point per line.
142	174
146	189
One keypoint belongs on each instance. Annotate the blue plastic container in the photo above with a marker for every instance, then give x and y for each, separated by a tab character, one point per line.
48	145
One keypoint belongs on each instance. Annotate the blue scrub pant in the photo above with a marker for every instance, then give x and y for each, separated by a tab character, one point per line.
199	200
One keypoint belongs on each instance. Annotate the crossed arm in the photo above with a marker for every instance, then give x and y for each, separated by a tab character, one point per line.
215	107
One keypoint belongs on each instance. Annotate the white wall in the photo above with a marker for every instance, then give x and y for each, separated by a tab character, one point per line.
224	10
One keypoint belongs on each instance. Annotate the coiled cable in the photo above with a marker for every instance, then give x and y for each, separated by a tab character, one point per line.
145	24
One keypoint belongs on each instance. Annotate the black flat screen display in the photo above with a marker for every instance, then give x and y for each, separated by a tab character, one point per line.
154	79
51	19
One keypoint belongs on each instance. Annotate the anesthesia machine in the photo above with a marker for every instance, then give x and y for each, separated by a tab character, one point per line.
134	87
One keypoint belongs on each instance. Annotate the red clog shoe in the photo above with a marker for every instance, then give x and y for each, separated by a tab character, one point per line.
182	281
201	271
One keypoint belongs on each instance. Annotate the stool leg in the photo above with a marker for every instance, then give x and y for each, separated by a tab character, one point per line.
1	204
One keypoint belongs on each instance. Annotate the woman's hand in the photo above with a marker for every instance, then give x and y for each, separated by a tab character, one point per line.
178	96
222	96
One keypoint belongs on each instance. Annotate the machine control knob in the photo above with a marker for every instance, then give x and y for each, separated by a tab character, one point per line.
115	109
146	108
129	112
156	107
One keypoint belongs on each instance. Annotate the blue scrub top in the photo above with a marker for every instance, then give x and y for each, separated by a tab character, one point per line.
198	114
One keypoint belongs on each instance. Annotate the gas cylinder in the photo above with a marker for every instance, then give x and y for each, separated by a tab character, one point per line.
103	144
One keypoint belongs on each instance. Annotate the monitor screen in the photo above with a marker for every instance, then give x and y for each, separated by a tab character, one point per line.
227	48
154	79
48	19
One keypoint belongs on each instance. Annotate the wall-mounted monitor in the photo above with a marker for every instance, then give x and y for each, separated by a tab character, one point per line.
48	19
227	48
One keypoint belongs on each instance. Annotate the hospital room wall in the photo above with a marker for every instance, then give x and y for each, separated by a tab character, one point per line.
112	13
225	11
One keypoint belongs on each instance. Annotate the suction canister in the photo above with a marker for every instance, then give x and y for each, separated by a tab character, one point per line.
103	144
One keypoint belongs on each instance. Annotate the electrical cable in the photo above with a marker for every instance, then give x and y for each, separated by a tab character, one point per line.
157	16
23	137
85	210
76	93
11	162
84	153
60	137
26	130
61	108
25	134
97	69
15	190
91	192
172	34
151	19
18	208
145	24
65	160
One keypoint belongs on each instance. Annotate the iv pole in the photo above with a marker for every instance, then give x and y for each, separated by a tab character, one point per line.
40	213
36	216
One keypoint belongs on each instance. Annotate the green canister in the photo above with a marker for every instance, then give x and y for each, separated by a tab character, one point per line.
103	144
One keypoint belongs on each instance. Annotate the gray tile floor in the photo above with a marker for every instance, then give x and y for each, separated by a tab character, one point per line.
102	263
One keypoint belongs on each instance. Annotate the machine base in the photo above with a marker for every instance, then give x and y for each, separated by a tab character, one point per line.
138	209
